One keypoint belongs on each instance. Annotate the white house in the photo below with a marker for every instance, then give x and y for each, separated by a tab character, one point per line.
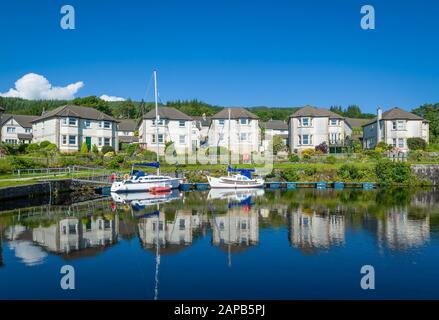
70	126
174	126
311	126
243	127
203	124
2	110
394	127
275	128
16	128
125	132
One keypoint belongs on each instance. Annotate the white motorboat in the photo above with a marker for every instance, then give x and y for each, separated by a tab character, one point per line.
235	181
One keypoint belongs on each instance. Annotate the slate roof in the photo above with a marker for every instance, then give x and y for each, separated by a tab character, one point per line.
310	111
77	112
204	121
396	114
23	120
127	125
235	113
276	125
356	122
167	113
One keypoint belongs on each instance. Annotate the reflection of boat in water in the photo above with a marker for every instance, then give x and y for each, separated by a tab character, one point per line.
235	194
144	199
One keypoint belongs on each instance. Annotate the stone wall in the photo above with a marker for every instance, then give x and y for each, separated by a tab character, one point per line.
427	172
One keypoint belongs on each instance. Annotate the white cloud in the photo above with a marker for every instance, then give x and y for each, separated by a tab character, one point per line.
111	98
34	86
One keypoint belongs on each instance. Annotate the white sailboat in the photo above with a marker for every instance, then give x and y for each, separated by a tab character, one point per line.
242	179
140	182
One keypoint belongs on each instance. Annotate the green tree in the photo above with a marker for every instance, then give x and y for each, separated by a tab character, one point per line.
95	149
278	144
416	144
430	112
93	102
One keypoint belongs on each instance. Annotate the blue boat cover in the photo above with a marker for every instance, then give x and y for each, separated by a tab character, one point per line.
244	172
147	164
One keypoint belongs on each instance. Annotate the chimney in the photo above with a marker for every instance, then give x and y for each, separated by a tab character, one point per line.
204	116
379	117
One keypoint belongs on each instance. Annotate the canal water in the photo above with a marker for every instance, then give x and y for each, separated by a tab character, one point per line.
298	244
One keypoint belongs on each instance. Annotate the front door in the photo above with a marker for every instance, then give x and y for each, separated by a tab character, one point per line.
88	142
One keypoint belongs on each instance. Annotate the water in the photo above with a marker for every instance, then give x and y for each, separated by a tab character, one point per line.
301	244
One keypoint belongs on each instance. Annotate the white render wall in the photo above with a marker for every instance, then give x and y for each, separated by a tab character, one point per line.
12	136
54	129
171	131
320	130
413	129
236	129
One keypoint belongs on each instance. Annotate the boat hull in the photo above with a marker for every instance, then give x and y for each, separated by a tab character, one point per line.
226	183
129	186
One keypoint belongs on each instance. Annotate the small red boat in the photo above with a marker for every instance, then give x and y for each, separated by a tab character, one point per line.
160	189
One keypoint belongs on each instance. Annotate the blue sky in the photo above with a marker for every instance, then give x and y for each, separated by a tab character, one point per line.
231	53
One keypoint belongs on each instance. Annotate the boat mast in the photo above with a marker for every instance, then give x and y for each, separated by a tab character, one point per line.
156	118
228	147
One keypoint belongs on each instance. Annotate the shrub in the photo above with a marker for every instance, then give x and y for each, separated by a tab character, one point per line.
330	160
23	163
416	144
95	149
322	148
130	149
382	146
310	172
106	149
349	172
290	174
44	144
149	155
109	154
5	166
294	158
389	172
33	147
357	146
84	148
308	153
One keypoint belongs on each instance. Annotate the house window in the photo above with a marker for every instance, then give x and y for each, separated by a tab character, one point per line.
126	133
394	142
243	136
182	224
333	138
401	125
107	124
64	140
334	122
182	139
64	120
160	138
160	122
10	129
11	141
401	142
153	138
305	139
106	141
28	130
244	121
100	141
72	121
221	122
306	122
72	140
87	123
181	123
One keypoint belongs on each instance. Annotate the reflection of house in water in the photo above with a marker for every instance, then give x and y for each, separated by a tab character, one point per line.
20	241
399	232
173	235
237	227
73	234
313	231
